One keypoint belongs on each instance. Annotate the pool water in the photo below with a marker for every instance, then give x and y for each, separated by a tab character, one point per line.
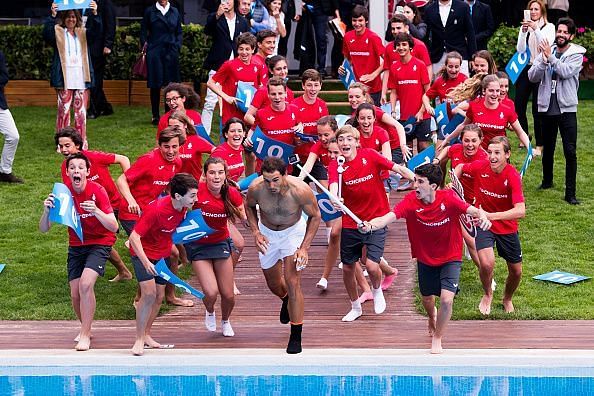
288	385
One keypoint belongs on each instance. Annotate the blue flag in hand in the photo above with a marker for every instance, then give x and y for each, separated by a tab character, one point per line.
192	228
516	64
245	183
424	157
267	147
165	273
328	211
454	122
64	5
64	212
349	76
201	131
441	116
245	93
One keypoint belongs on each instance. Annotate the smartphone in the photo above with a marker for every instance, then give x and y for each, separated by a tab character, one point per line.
527	15
399	10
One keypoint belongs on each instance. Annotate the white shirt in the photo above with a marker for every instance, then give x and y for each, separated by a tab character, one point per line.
231	25
444	11
163	9
74	67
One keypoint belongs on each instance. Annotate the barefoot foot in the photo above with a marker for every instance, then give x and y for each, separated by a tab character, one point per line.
84	344
121	277
508	307
436	345
138	348
180	302
150	342
485	304
432	322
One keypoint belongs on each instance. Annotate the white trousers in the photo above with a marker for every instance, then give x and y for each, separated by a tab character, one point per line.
11	140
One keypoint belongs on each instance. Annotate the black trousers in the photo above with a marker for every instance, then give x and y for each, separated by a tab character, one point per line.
98	102
566	123
525	89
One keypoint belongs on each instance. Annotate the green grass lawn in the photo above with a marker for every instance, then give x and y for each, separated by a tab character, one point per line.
33	285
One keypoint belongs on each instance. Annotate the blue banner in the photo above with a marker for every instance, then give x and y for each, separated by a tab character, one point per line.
349	76
410	125
192	228
516	64
64	212
307	138
2	267
244	95
454	122
267	147
564	278
328	211
527	162
201	131
245	183
64	5
441	116
424	157
387	108
341	119
165	273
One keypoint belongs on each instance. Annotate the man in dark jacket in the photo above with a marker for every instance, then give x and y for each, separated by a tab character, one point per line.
482	21
449	28
8	129
100	49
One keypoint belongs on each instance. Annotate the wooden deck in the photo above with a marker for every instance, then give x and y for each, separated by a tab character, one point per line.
255	318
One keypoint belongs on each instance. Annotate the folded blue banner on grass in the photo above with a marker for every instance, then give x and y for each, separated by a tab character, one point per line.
349	76
328	211
409	125
454	122
245	93
192	228
564	278
341	119
2	267
165	273
527	161
424	157
516	64
64	5
201	131
64	212
267	147
244	183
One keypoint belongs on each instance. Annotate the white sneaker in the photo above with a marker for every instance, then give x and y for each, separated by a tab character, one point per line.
210	321
352	315
322	284
227	329
379	302
493	284
340	265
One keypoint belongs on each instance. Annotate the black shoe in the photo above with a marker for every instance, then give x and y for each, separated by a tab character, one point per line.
107	111
294	345
92	116
155	121
10	178
545	186
572	200
284	312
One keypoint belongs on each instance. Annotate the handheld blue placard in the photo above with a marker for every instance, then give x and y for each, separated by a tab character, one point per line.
328	211
201	131
245	93
244	183
64	5
267	147
64	211
527	161
349	76
341	119
516	64
192	228
441	116
409	125
170	277
387	108
424	157
306	138
564	278
454	122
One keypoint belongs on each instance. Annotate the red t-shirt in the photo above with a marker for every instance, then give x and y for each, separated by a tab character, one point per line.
213	212
419	51
232	157
99	173
457	157
322	153
156	227
148	177
491	121
94	233
309	114
229	74
364	53
164	120
496	192
362	186
261	62
434	229
408	80
261	97
278	125
392	132
440	87
509	103
376	140
191	155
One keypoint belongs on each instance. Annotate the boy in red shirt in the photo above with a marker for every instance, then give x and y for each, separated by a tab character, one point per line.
498	190
150	241
86	259
364	50
435	235
266	41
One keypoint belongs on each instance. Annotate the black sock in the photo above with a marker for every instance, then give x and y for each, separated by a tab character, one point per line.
284	312
294	345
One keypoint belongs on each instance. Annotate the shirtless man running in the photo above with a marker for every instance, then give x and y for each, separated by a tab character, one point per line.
283	237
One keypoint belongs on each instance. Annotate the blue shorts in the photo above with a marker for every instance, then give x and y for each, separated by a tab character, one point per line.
210	251
508	245
141	273
352	242
434	279
88	256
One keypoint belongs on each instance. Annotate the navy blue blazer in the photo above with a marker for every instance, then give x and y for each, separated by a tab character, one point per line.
222	46
484	25
457	35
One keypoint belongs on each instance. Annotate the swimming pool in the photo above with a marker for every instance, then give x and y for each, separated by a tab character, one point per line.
267	372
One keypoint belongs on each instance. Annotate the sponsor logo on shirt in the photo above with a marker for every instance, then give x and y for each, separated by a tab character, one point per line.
190	145
484	175
442	207
435	224
505	182
414	67
492	194
161	182
359	53
270	118
408	82
364	161
359	180
168	231
220	215
501	115
169	218
85	215
308	124
161	167
489	126
235	166
93	178
279	131
419	210
240	68
186	156
94	199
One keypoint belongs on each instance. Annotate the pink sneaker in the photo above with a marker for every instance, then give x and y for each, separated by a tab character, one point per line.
367	296
388	280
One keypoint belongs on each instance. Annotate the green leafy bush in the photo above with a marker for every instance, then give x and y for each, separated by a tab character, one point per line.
502	45
28	57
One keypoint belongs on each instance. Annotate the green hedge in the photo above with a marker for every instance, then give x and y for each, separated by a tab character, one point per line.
28	57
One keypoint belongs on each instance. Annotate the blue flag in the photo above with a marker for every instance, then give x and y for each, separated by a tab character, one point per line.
516	64
245	183
454	122
328	211
192	228
245	93
349	76
201	131
2	267
64	5
564	278
527	161
441	116
424	157
165	273
307	138
410	125
387	108
267	147
64	212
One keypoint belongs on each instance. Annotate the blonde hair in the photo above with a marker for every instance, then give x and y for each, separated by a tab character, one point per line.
543	8
183	118
467	90
348	129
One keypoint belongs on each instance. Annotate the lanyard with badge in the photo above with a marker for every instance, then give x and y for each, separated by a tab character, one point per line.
553	75
74	58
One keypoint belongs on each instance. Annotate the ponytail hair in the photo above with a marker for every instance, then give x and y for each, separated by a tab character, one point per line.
231	210
468	90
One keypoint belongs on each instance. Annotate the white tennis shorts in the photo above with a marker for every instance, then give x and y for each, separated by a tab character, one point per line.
281	243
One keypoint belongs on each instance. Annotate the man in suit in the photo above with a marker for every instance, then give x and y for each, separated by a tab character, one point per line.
8	129
449	28
482	21
100	49
223	25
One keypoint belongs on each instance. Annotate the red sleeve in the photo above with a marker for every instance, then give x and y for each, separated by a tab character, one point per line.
423	53
345	47
378	46
392	77
262	76
432	92
195	116
138	169
290	95
63	171
102	200
259	98
148	218
332	172
515	184
382	162
387	56
460	205
235	196
470	168
382	134
470	111
100	158
203	145
512	116
402	209
315	149
221	75
163	123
